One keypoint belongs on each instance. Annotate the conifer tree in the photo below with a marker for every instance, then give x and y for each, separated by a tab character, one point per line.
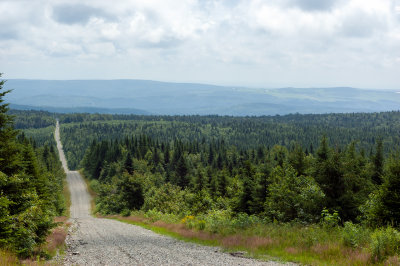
27	199
128	165
247	176
260	191
328	173
390	193
181	172
9	158
199	181
377	160
297	160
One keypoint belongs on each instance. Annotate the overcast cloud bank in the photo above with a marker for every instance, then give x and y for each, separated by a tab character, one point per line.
251	42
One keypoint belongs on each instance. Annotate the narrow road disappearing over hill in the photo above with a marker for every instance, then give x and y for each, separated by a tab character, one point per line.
95	241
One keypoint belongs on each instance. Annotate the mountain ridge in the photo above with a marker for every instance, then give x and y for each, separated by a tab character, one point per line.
167	98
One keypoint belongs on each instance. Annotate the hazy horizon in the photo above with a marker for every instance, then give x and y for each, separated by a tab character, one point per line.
153	97
210	83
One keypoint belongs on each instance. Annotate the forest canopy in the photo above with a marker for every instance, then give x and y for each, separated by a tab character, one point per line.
282	168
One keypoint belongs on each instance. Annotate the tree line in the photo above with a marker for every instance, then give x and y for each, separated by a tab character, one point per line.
241	132
277	184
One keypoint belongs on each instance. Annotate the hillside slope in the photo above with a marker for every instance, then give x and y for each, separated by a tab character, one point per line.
144	97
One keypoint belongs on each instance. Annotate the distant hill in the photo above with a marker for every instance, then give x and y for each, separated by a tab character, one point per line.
90	110
153	97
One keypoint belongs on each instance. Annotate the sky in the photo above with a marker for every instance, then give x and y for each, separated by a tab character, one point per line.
255	43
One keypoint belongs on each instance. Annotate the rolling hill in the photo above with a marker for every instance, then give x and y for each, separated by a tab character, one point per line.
153	97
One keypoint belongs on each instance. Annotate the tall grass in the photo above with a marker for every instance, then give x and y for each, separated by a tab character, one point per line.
55	241
309	244
67	197
8	258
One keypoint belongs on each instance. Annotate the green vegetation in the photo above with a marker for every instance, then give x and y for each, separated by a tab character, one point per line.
312	245
276	178
244	133
37	126
31	185
307	188
195	178
32	119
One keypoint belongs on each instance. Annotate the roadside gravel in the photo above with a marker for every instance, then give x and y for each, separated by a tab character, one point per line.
95	241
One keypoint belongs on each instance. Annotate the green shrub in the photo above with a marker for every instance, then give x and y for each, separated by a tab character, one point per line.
243	221
201	224
189	221
354	235
217	221
385	242
292	197
167	199
94	185
125	212
329	220
155	215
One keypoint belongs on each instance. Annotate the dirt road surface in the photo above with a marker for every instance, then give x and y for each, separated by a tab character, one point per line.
95	241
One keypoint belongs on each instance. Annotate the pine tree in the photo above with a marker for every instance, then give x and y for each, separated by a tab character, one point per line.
128	165
377	160
199	181
390	193
297	160
328	173
260	191
27	201
181	172
130	191
222	183
9	157
247	176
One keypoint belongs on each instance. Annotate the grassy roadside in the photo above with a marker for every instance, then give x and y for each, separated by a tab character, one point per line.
7	258
273	242
181	232
67	197
310	245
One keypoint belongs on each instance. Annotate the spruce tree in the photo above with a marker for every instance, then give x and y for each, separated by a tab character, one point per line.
390	193
377	160
247	177
328	172
9	158
297	160
260	191
26	201
128	165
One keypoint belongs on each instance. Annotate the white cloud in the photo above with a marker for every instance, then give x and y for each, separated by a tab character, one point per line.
251	42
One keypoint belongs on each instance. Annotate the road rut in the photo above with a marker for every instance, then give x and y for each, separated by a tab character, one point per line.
96	241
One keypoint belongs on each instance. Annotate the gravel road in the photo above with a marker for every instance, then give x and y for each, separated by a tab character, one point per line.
95	241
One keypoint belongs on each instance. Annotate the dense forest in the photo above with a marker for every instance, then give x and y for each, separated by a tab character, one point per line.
192	178
228	172
243	133
324	180
31	185
282	168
